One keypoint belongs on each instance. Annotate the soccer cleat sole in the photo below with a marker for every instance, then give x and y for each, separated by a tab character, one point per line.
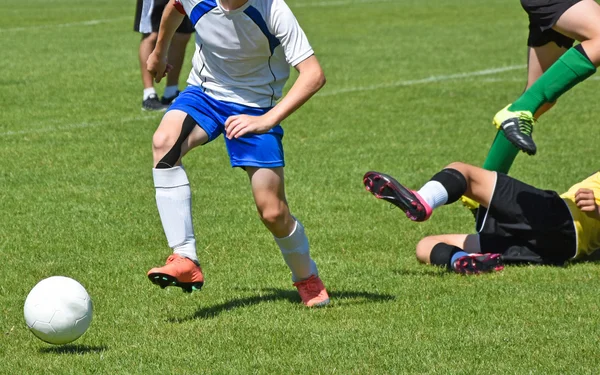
321	304
398	196
164	280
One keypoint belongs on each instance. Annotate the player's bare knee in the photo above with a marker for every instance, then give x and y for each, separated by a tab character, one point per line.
463	168
273	216
162	142
458	165
424	249
167	142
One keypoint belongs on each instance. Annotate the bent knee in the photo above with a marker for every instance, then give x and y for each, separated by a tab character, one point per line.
162	142
423	250
272	216
458	165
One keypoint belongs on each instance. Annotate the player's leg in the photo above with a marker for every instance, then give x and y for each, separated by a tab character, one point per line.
176	57
146	46
468	243
542	53
445	187
269	195
502	152
540	58
147	22
579	20
460	253
176	135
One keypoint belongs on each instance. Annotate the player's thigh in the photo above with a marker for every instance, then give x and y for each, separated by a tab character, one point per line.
171	130
581	21
468	242
540	59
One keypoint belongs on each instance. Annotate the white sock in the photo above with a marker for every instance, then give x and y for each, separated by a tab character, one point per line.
149	91
296	253
170	91
434	193
174	202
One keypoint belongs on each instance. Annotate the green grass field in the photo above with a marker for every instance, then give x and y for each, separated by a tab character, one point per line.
412	85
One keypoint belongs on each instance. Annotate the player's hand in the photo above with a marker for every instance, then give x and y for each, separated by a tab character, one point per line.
586	201
158	66
237	126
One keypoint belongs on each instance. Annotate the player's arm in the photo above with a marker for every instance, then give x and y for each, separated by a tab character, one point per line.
586	202
171	19
310	79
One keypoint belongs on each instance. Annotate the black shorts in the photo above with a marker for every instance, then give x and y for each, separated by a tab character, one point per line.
526	224
148	14
543	15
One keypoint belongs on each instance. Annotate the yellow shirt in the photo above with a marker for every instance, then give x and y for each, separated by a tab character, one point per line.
586	225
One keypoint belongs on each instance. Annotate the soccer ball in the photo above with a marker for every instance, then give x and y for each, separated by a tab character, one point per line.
58	310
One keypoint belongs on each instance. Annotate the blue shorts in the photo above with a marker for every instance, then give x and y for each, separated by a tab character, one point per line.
250	150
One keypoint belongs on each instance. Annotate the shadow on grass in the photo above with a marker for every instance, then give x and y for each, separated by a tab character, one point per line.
275	294
74	349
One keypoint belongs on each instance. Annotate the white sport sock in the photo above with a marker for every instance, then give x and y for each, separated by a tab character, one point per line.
149	91
434	193
174	202
296	253
170	91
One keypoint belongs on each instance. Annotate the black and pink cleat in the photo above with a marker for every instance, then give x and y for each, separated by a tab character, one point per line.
387	188
478	263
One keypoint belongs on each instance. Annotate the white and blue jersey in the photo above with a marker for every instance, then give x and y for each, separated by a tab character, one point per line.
241	63
244	55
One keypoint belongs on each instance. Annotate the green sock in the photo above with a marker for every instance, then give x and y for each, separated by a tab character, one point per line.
570	69
501	155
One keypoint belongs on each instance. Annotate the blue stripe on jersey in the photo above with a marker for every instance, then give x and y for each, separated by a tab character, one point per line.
201	9
255	16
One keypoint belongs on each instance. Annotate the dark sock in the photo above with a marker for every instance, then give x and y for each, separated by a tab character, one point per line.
454	183
502	154
442	253
571	68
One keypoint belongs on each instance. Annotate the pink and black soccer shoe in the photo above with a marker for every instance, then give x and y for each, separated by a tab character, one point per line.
387	188
478	263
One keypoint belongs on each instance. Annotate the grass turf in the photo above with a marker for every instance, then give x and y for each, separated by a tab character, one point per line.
411	87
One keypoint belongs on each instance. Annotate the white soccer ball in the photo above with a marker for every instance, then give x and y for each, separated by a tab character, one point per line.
58	310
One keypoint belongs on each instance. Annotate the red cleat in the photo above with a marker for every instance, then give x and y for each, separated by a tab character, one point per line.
312	291
178	271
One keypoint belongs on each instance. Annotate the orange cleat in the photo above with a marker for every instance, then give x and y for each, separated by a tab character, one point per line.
178	271
312	291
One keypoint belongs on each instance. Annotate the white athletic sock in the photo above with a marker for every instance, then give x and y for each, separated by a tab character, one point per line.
170	91
174	202
296	253
434	193
149	91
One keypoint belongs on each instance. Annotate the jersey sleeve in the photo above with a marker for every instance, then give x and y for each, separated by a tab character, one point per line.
179	7
286	29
